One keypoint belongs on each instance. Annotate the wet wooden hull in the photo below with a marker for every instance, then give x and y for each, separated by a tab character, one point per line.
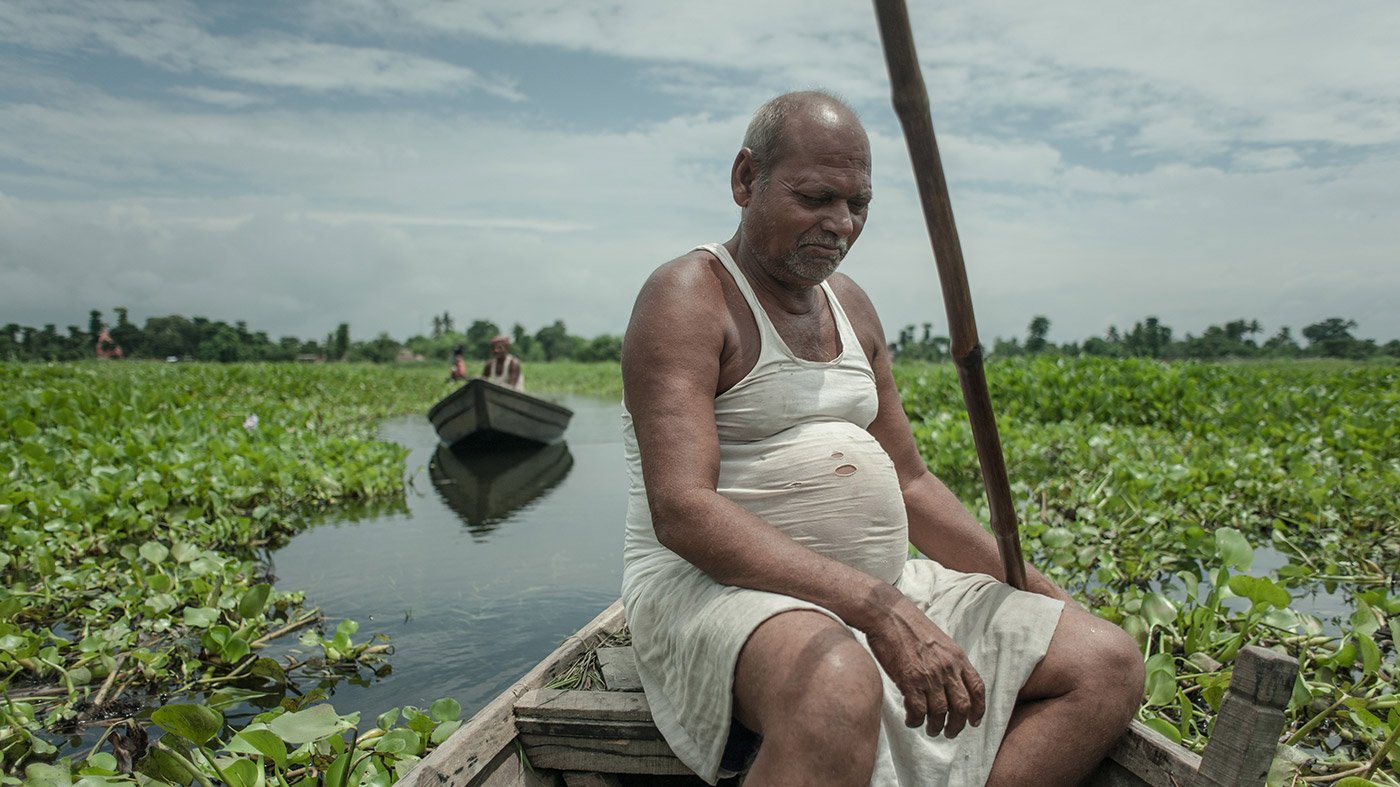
576	737
482	415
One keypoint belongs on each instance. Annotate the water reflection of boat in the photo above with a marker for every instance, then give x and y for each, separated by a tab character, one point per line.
486	487
486	415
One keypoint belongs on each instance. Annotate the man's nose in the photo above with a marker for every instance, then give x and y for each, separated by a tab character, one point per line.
838	219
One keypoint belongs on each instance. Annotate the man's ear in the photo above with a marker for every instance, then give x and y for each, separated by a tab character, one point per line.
743	177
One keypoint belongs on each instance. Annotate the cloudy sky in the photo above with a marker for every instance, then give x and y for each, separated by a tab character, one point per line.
297	165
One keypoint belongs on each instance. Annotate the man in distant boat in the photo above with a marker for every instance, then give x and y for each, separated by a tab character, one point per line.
503	368
459	364
777	618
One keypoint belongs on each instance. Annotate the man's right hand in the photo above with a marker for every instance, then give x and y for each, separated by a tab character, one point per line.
940	687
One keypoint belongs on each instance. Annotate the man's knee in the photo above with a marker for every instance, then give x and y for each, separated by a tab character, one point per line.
1107	664
809	678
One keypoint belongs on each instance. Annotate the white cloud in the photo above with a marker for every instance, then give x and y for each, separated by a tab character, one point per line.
1106	162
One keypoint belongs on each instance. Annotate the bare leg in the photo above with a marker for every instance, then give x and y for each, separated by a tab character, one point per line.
814	694
1074	706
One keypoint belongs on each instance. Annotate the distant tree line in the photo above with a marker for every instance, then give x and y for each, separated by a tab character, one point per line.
1150	338
202	339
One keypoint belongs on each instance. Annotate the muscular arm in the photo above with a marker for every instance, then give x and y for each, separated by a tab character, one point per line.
939	525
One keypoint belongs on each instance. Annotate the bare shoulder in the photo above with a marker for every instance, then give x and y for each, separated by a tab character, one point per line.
684	288
861	312
677	332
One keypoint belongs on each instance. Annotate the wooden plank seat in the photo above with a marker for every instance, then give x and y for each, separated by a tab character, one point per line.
612	732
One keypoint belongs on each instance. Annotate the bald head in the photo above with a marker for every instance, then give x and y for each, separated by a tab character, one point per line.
767	135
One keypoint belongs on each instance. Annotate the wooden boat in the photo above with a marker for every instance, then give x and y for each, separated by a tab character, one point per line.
485	415
486	487
534	736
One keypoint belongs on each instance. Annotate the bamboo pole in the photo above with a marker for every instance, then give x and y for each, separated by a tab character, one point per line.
911	105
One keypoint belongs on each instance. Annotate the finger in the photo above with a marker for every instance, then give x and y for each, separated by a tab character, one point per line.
915	708
937	710
959	705
977	694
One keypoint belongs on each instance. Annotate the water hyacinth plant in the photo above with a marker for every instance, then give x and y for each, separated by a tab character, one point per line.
1202	507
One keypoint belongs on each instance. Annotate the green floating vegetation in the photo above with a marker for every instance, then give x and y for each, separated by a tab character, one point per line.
134	496
1152	490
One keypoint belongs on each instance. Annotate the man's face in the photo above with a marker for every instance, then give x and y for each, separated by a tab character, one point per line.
800	223
498	349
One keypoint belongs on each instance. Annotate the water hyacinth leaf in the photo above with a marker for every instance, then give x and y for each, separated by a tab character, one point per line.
42	775
1260	590
262	742
271	670
235	650
314	723
387	719
1354	781
446	709
194	723
23	427
399	741
1164	727
1370	654
254	600
1363	619
101	763
1233	548
184	552
444	731
1158	610
200	617
228	697
336	773
244	773
154	552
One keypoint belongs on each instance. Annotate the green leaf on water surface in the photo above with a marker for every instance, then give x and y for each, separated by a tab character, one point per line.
1370	654
23	427
263	742
1364	621
1260	590
1354	781
1234	548
200	617
1057	537
235	650
1158	610
41	775
1165	728
194	723
399	741
1137	628
314	723
244	773
387	719
254	600
444	731
446	709
101	764
270	669
185	552
338	770
154	552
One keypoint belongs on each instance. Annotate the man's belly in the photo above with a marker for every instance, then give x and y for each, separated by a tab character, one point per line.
830	487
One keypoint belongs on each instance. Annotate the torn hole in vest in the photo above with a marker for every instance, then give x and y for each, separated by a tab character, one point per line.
845	470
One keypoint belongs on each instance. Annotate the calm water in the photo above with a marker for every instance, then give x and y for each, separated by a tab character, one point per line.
491	567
